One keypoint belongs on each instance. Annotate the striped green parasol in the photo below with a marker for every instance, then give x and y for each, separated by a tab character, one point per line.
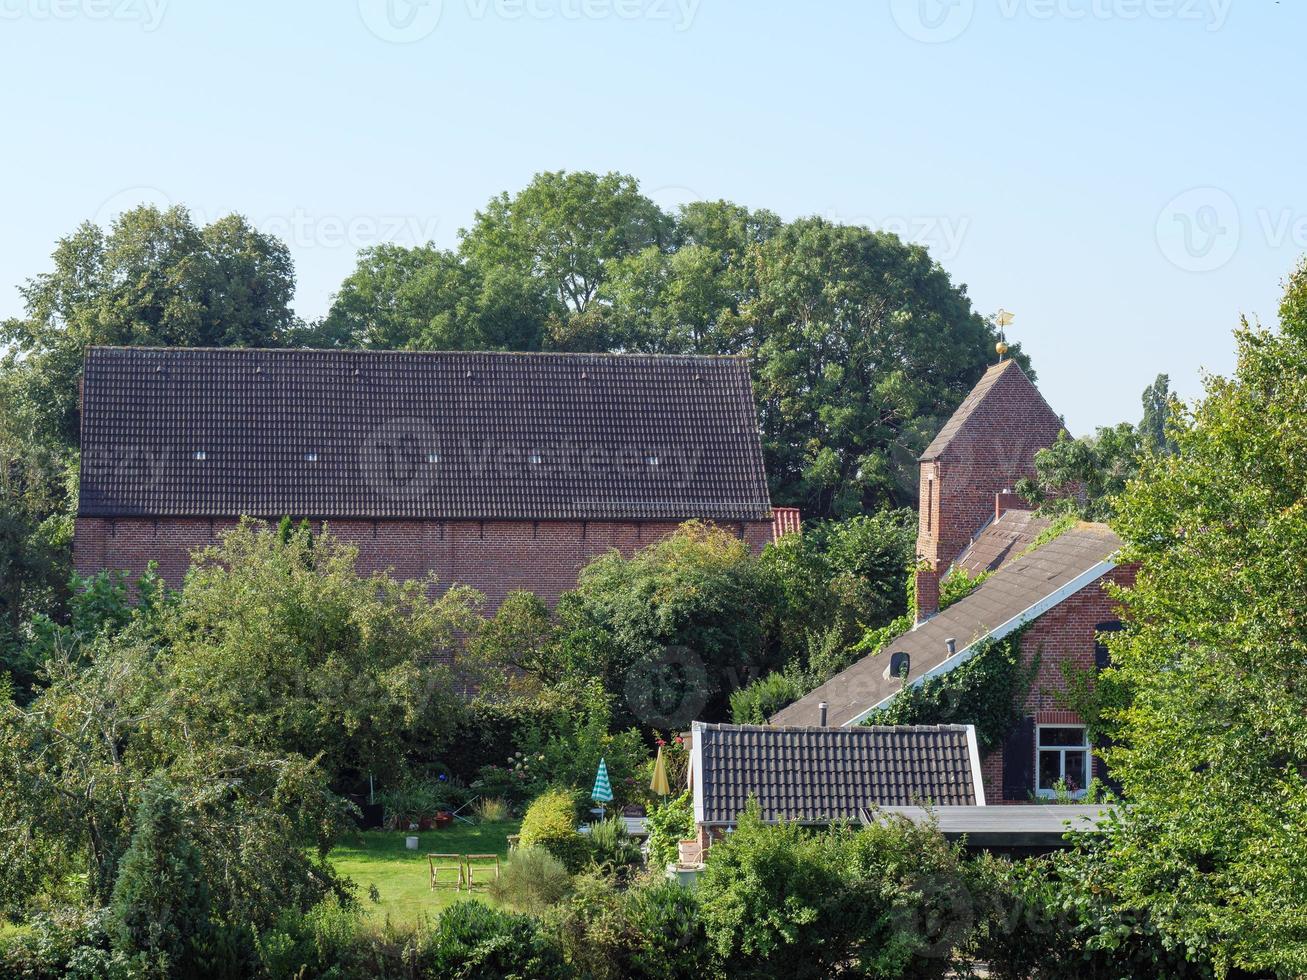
603	792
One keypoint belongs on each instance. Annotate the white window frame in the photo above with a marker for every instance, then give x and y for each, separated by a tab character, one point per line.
1049	794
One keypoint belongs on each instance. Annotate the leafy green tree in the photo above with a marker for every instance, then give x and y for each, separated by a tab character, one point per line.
673	629
843	577
160	898
1206	692
424	298
785	901
1157	399
283	644
688	300
76	763
562	233
38	482
154	279
862	346
1084	476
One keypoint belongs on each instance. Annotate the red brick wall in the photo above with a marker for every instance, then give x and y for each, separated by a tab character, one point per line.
1063	635
989	454
494	557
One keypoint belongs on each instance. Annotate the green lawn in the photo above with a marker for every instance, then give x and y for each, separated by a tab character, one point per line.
400	875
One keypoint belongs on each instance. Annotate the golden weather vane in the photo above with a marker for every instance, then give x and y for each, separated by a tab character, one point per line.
1004	319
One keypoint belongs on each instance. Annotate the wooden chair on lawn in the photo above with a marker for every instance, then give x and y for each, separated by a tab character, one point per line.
482	864
440	864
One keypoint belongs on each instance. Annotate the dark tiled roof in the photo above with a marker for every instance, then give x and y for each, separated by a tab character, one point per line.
822	774
438	435
1005	375
1001	541
1018	588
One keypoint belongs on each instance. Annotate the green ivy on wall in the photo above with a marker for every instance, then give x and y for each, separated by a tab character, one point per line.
986	691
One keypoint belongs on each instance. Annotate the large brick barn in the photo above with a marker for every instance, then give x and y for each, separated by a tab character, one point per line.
1052	588
498	471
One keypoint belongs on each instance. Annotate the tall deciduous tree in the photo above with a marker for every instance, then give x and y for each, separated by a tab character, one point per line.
862	347
426	298
1208	679
1084	476
156	278
563	232
278	641
1157	415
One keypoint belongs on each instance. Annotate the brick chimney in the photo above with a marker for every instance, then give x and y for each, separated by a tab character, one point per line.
1006	500
927	594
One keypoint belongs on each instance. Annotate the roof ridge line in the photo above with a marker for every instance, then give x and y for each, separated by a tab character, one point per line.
561	355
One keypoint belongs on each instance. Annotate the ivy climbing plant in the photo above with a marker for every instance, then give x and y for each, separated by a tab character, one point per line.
986	690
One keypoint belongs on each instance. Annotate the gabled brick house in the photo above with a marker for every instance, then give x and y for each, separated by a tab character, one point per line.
498	471
1052	590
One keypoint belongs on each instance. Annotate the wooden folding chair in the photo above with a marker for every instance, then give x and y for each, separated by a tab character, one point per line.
484	865
439	864
513	841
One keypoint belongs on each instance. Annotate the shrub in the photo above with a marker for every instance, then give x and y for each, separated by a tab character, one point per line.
531	881
69	945
473	941
668	940
492	810
160	900
669	824
755	703
652	931
591	928
1048	918
550	823
612	848
783	901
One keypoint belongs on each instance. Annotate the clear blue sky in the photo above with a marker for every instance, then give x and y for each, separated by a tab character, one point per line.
1128	176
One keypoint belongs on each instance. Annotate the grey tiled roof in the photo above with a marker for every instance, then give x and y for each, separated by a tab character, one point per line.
221	433
1001	541
1016	588
822	774
973	407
